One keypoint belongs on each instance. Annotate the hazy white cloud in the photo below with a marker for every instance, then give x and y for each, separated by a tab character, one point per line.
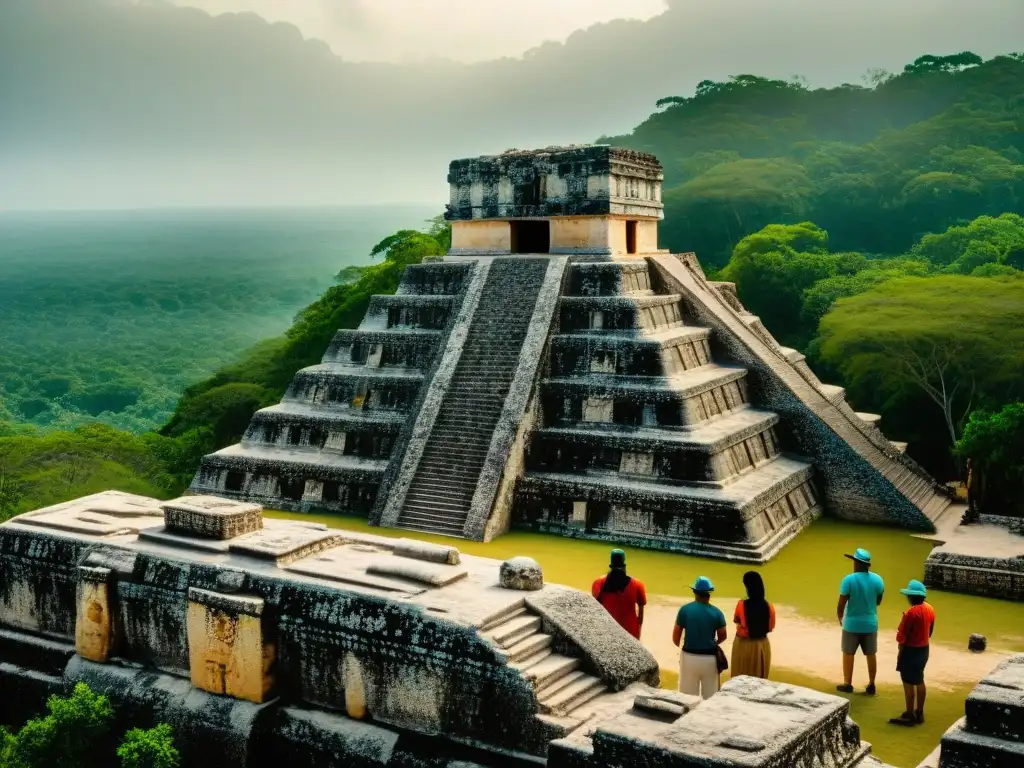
410	30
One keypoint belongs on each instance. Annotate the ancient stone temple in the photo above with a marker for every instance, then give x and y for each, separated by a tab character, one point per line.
557	371
279	643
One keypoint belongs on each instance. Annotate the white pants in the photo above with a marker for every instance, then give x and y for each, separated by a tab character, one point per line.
698	675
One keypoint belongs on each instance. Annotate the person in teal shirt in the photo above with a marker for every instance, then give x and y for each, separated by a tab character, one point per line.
701	627
860	594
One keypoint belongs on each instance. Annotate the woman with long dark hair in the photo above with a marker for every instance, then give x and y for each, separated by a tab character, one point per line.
622	596
755	618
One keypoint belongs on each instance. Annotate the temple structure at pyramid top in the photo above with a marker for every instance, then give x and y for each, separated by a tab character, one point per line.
562	200
558	372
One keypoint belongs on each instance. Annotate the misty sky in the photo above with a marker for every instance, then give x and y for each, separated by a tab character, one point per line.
140	103
462	30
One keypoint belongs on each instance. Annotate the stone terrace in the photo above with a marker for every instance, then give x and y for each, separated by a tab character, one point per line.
398	632
267	642
991	734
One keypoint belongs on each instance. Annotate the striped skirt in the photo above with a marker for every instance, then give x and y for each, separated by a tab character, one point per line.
751	657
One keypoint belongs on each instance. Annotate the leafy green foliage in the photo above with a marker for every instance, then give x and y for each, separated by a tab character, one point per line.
70	735
876	166
153	748
75	733
987	239
994	441
221	406
110	317
957	340
42	468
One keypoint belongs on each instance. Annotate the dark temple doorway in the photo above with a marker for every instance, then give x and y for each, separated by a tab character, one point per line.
531	236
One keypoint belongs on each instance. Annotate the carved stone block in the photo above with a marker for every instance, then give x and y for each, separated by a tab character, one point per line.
229	653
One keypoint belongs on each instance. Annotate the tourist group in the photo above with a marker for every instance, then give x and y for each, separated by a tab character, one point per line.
701	628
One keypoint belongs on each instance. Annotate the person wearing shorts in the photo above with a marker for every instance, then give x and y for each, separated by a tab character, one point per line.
914	637
860	594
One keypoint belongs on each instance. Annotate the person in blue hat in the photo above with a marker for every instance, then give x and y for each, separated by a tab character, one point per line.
914	636
701	627
860	594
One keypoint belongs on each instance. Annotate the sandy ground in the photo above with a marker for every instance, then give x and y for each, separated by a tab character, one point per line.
812	647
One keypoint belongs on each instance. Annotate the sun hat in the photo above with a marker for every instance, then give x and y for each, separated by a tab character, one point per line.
618	559
703	584
861	556
914	589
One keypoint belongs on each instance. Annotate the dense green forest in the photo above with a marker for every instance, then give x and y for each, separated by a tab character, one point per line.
877	165
877	228
109	316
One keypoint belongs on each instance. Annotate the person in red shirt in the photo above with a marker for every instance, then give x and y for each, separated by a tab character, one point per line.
622	596
914	636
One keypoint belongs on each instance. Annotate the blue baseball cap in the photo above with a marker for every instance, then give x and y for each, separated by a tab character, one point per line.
861	556
703	584
618	559
914	589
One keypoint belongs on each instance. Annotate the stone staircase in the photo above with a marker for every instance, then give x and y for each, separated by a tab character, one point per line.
866	476
646	439
561	686
328	443
442	489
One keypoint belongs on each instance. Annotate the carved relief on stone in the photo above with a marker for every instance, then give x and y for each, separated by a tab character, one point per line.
95	634
229	653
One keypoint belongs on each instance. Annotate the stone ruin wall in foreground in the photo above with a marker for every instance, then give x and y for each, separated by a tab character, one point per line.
270	643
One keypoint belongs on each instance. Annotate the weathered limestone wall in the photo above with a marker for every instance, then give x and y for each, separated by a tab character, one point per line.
301	646
485	237
413	439
328	444
582	234
589	180
855	471
750	722
976	573
991	734
213	621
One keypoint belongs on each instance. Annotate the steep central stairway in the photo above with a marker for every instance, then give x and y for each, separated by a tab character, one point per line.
441	491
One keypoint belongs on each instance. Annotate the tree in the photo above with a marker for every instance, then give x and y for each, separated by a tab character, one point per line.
820	297
772	269
731	200
219	408
954	63
956	339
1004	234
153	748
11	491
74	734
994	441
69	736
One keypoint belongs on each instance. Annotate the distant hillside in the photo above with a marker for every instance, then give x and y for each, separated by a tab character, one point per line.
117	102
940	143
